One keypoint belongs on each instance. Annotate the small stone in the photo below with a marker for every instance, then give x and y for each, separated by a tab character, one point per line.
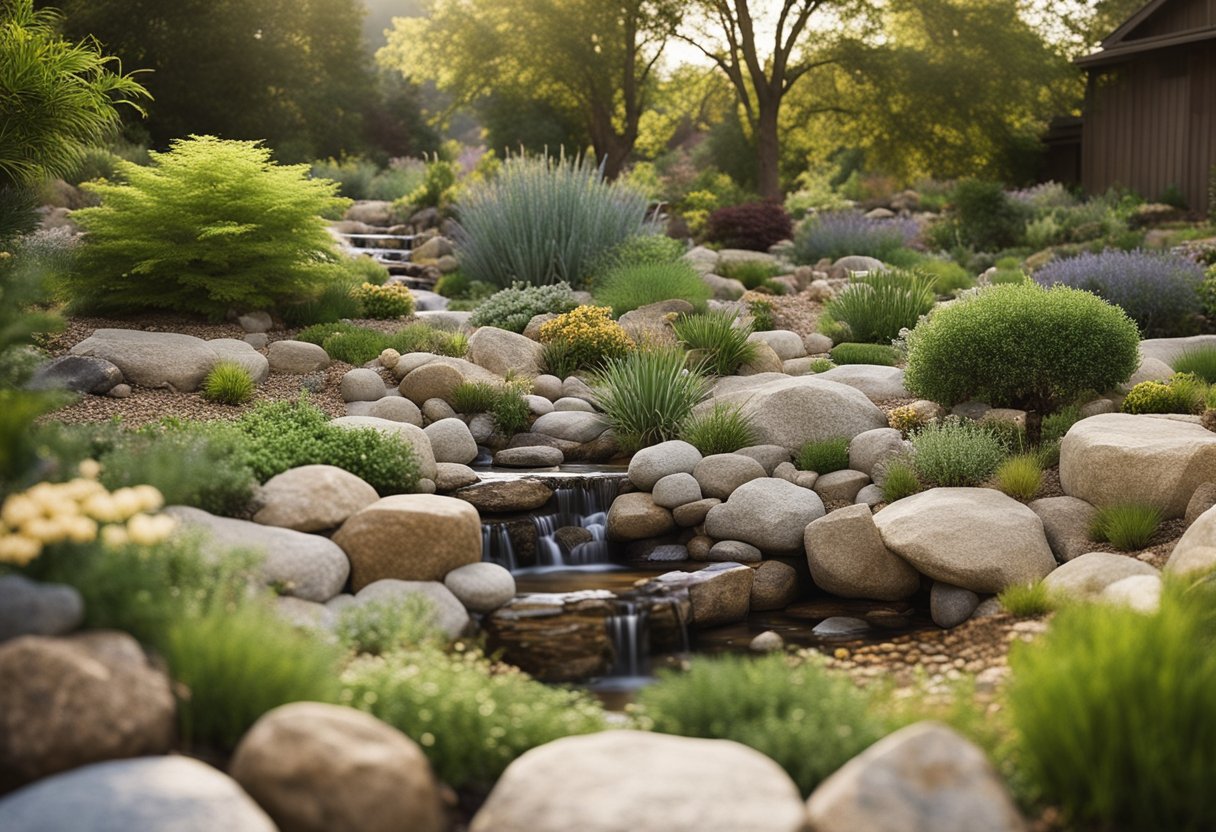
481	587
296	357
536	456
538	405
636	517
676	490
119	391
361	385
767	642
506	496
435	410
30	608
395	409
840	486
770	456
451	476
839	626
548	386
257	340
870	496
1202	500
775	586
650	465
569	404
720	474
725	551
259	322
451	441
667	553
951	605
693	514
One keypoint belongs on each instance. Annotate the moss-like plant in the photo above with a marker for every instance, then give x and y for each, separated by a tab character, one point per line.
384	302
825	456
1020	476
851	353
228	383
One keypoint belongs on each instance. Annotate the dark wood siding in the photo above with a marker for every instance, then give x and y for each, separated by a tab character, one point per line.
1174	18
1149	124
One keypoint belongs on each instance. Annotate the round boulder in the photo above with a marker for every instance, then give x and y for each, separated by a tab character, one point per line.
636	517
312	498
775	586
447	614
361	385
153	359
770	514
720	474
676	490
451	441
31	608
396	409
847	558
650	465
499	351
1086	577
481	587
296	357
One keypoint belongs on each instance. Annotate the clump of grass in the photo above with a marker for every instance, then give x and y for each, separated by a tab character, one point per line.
762	315
1055	425
474	397
1128	527
723	430
719	338
228	383
877	306
751	273
648	395
1020	476
561	358
956	453
850	353
1026	600
901	481
820	365
510	411
358	345
630	287
825	456
1201	361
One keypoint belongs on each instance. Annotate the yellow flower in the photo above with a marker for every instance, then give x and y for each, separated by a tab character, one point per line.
81	529
44	495
18	550
150	498
101	507
126	502
45	530
90	469
18	510
80	489
115	536
147	530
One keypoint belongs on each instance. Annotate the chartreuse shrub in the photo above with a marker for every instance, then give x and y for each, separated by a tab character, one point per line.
1128	526
1027	600
753	274
471	716
627	288
514	307
954	452
778	705
1020	476
648	395
875	307
824	456
901	481
228	383
718	338
1182	393
947	276
851	353
1200	361
641	250
209	226
1021	346
722	430
384	302
583	338
545	220
359	345
1112	713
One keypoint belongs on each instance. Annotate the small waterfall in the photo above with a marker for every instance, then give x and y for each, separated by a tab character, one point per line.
630	635
496	545
584	505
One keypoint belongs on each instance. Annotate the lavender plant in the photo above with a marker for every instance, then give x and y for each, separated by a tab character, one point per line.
842	233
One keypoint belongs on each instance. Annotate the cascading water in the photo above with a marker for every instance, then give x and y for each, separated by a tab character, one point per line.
581	503
630	635
496	545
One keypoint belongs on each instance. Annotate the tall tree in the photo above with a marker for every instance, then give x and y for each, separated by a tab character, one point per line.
595	59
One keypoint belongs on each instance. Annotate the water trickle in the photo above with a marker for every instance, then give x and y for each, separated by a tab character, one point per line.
496	545
630	635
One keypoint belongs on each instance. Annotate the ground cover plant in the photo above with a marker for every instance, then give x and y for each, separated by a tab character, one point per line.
512	308
228	383
824	456
1020	476
900	480
1127	526
955	452
359	345
855	353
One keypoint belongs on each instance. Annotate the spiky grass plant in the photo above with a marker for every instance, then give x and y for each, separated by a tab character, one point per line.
719	338
901	481
228	383
629	287
1128	527
1026	600
647	395
825	456
1020	476
723	430
474	397
877	306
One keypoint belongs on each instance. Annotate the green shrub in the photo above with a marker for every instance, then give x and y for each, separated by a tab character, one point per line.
545	220
514	307
956	453
753	274
317	333
1056	425
648	395
877	306
641	250
630	287
851	353
820	365
510	412
472	717
384	303
1201	361
589	336
278	436
825	456
1021	346
209	226
235	664
437	188
718	338
1128	527
331	303
381	627
228	383
358	345
1020	476
1109	701
776	705
983	216
762	315
474	397
723	430
1026	600
901	481
1181	394
948	276
1006	276
355	346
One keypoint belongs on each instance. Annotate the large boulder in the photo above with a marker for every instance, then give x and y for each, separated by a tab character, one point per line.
153	359
793	411
68	702
296	357
650	465
312	498
165	794
451	441
636	517
975	538
847	557
78	373
571	425
774	586
1086	577
30	608
1167	350
1066	522
642	782
770	514
447	614
410	537
877	382
316	767
869	450
1119	458
361	385
499	351
1196	551
718	594
923	777
412	435
302	565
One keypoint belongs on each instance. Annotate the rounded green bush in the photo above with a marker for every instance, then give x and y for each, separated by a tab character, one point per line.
228	383
852	353
630	287
1021	346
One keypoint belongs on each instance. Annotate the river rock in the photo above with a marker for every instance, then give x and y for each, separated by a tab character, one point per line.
785	343
651	324
870	449
1202	500
303	565
396	408
451	476
975	538
769	641
855	263
152	359
569	404
1084	578
878	383
675	490
296	357
720	474
575	387
727	551
1066	522
68	702
547	386
693	514
841	626
554	637
572	426
923	777
505	496
1195	552
412	435
870	496
435	409
769	456
77	373
951	605
764	360
848	558
167	794
500	351
360	385
312	498
538	405
718	594
481	587
1120	458
451	441
636	517
533	456
650	465
641	781
31	608
840	486
432	380
448	615
770	514
1141	593
774	586
410	537
316	767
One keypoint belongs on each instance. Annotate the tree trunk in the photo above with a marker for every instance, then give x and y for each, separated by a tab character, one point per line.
768	152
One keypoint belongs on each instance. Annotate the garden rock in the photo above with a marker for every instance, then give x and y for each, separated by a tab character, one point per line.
848	558
870	496
434	409
302	565
1084	578
668	553
951	605
1120	458
571	425
816	343
534	456
432	380
410	537
1195	552
396	408
167	794
923	777
1141	593
312	498
718	594
68	702
532	330
723	288
406	364
481	427
840	626
259	321
360	385
652	323
698	547
1167	350
448	615
1202	500
152	359
548	386
975	411
693	514
975	538
856	263
451	476
568	404
257	340
120	391
451	441
77	373
770	456
675	490
538	405
764	360
770	514
374	212
636	517
502	496
719	475
297	357
243	353
1066	522
316	767
641	781
872	448
767	642
481	587
575	387
412	435
1097	407
840	486
307	615
774	587
877	382
500	351
650	465
31	608
1150	369
787	345
728	551
798	366
703	259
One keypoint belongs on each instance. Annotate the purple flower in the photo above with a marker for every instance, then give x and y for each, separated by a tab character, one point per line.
841	233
